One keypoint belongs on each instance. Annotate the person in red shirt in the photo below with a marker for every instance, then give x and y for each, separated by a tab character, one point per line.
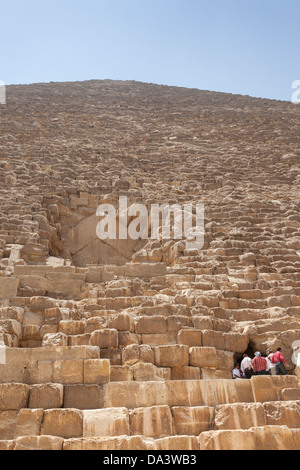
279	361
260	364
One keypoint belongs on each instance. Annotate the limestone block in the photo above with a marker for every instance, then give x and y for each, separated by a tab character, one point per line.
11	327
176	323
71	327
143	372
131	354
151	325
40	304
8	287
121	373
145	270
171	356
236	342
214	339
190	337
68	372
46	396
83	397
203	357
276	438
122	322
192	421
152	422
132	443
240	416
13	396
146	354
290	394
203	323
267	388
225	360
79	340
227	440
106	422
185	373
29	423
67	423
213	374
55	339
106	338
283	414
177	443
7	445
96	371
39	443
158	339
126	338
53	316
8	422
94	324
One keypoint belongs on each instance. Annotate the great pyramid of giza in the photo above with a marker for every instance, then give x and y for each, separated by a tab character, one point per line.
130	344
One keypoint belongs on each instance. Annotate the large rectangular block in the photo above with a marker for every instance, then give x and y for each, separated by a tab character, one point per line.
204	357
152	422
96	371
192	421
171	356
13	396
8	422
145	270
29	423
267	388
46	396
106	422
190	337
66	423
105	339
8	287
84	397
39	443
151	325
240	416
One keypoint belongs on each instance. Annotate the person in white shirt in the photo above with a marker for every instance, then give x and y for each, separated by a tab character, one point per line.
236	373
246	363
272	367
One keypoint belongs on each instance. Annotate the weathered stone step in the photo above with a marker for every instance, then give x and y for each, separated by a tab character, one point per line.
247	415
256	438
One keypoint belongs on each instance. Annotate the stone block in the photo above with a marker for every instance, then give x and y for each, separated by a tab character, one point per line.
9	287
96	371
171	356
190	337
8	422
105	339
204	357
39	443
240	416
151	325
106	422
13	396
46	396
83	397
153	422
213	339
29	423
192	421
66	423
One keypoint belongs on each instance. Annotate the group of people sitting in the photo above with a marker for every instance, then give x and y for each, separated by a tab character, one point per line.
262	364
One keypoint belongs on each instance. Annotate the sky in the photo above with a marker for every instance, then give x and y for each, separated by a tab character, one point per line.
248	47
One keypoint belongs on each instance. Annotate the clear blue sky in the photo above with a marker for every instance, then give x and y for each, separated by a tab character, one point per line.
237	46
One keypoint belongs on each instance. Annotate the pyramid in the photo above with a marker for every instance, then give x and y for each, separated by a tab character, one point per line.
129	344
